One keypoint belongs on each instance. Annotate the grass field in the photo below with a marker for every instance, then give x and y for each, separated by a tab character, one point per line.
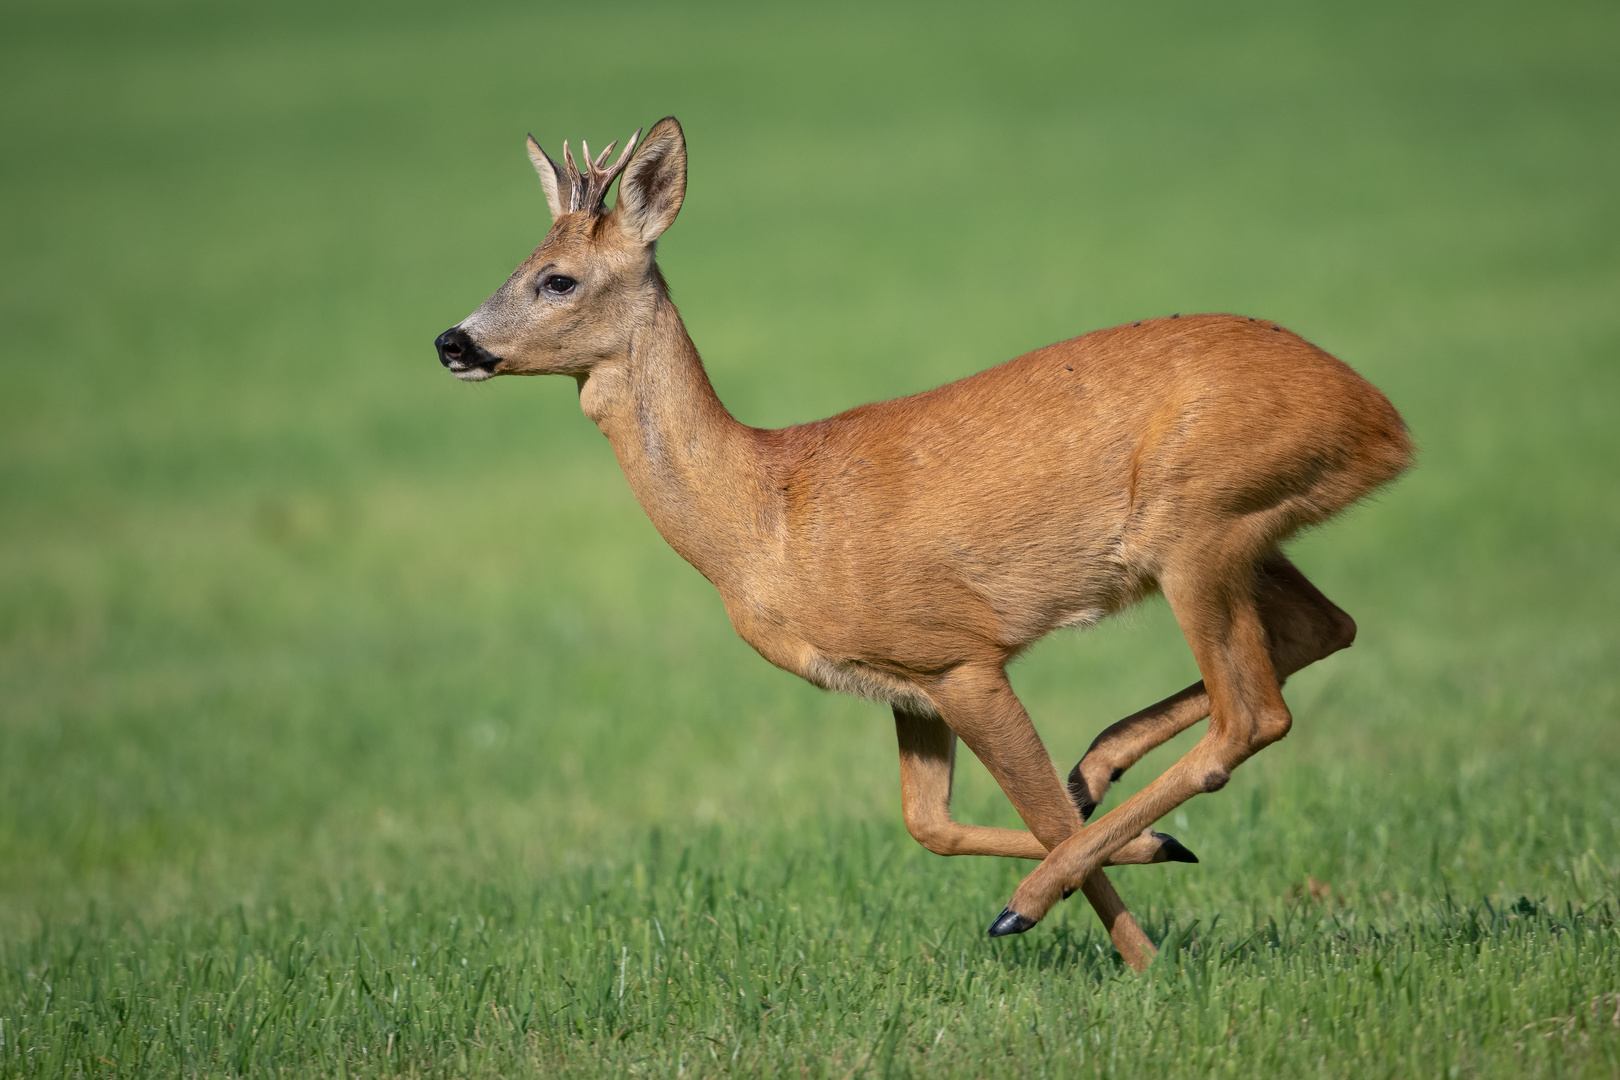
356	722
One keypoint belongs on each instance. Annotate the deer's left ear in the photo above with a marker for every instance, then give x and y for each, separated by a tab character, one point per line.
559	189
654	183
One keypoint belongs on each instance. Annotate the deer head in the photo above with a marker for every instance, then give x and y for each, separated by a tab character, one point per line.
592	282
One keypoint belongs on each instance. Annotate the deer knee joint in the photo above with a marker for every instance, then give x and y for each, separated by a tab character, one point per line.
1271	726
933	836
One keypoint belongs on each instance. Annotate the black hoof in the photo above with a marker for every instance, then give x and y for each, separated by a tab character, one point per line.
1081	795
1009	922
1174	850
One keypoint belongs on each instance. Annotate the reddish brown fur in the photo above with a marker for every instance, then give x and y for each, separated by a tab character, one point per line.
907	550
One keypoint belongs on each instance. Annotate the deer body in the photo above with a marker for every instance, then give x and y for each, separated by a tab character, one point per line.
907	550
873	551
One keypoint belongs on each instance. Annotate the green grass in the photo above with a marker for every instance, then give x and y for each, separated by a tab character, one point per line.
354	721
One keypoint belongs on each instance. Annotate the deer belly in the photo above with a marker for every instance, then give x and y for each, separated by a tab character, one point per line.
865	681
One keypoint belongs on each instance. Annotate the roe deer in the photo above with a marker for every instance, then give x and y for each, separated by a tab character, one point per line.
907	550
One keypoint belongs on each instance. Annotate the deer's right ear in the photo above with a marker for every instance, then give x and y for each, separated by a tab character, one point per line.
654	183
559	190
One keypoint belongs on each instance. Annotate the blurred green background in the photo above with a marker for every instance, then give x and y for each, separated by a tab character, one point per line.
287	614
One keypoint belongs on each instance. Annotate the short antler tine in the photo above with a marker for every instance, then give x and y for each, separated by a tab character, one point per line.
576	197
590	189
624	156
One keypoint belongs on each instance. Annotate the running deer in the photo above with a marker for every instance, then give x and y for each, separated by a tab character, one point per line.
907	550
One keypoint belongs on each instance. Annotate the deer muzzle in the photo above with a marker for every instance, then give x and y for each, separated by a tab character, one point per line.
466	359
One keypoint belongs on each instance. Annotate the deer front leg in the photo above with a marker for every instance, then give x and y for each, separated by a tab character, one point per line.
927	768
1248	714
980	706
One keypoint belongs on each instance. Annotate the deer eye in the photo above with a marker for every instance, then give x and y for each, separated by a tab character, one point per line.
558	284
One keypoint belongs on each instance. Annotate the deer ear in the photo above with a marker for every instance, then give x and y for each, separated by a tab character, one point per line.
654	183
559	189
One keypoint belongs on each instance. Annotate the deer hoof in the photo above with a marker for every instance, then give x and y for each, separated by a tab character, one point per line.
1172	849
1080	793
1010	922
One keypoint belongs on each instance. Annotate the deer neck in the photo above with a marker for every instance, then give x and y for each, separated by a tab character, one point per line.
696	470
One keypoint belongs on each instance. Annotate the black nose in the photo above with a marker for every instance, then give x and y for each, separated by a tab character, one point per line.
455	347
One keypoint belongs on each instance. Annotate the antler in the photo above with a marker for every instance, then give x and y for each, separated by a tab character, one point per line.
588	192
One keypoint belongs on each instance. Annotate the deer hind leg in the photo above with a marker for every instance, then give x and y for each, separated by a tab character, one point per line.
977	704
1302	626
1219	612
927	764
